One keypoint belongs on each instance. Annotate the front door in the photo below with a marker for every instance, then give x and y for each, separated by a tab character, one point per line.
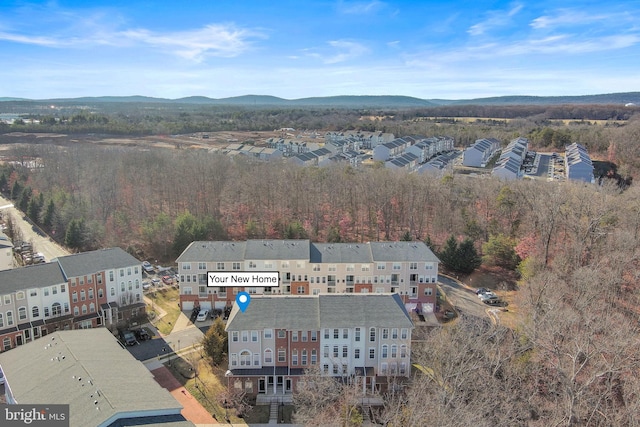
18	339
261	386
287	385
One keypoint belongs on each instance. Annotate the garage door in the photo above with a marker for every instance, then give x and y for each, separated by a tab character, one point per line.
205	305
187	305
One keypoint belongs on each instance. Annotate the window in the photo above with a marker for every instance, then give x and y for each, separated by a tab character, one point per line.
316	267
186	266
46	294
345	334
397	266
335	351
74	296
20	295
413	266
394	351
202	266
385	351
380	266
404	332
345	351
268	356
220	266
22	313
304	336
46	312
372	334
365	267
332	267
336	334
326	334
33	293
268	333
385	334
314	336
372	353
301	290
304	357
394	333
282	355
299	264
234	336
111	276
9	318
325	352
268	264
82	295
252	264
282	333
325	369
35	311
245	336
254	336
403	351
314	356
256	359
66	307
294	336
357	334
113	291
1	320
76	311
403	368
62	288
92	308
122	272
427	291
294	357
84	309
284	264
56	309
236	266
335	369
245	358
6	343
90	293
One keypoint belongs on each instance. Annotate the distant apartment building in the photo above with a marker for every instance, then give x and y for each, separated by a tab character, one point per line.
409	269
362	338
79	291
479	154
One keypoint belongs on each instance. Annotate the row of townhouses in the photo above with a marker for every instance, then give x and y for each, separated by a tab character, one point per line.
79	291
480	152
509	166
409	269
363	338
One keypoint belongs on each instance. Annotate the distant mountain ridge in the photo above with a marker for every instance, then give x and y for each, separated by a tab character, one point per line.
352	101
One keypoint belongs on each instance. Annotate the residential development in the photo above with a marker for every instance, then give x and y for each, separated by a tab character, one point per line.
79	291
362	338
409	269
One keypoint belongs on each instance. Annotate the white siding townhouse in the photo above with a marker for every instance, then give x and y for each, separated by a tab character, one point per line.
363	338
409	269
578	165
479	154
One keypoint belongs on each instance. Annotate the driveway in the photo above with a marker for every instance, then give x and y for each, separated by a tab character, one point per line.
31	233
463	299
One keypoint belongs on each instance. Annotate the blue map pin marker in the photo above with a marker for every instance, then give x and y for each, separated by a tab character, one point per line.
243	299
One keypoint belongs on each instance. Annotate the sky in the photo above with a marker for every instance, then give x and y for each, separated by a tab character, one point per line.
456	49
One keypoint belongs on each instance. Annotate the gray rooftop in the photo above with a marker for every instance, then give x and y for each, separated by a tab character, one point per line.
226	251
85	263
90	371
33	276
322	311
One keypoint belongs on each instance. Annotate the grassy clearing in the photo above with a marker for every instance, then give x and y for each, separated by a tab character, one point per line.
165	298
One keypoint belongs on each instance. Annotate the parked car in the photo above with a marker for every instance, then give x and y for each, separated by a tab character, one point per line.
142	334
146	266
480	291
489	298
128	338
1	376
146	285
155	281
202	315
168	280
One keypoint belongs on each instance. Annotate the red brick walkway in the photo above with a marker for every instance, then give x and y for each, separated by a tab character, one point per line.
192	409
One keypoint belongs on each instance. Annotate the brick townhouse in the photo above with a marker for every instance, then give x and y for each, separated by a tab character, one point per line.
409	269
79	291
362	338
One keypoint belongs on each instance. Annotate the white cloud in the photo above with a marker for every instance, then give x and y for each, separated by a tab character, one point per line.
212	40
360	8
341	51
574	17
495	19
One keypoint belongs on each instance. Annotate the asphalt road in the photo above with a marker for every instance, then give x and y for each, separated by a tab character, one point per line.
464	300
30	233
173	342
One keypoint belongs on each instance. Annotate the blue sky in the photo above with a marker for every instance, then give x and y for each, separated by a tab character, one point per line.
295	49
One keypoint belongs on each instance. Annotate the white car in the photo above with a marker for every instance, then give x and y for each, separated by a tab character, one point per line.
489	298
202	315
146	266
146	285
